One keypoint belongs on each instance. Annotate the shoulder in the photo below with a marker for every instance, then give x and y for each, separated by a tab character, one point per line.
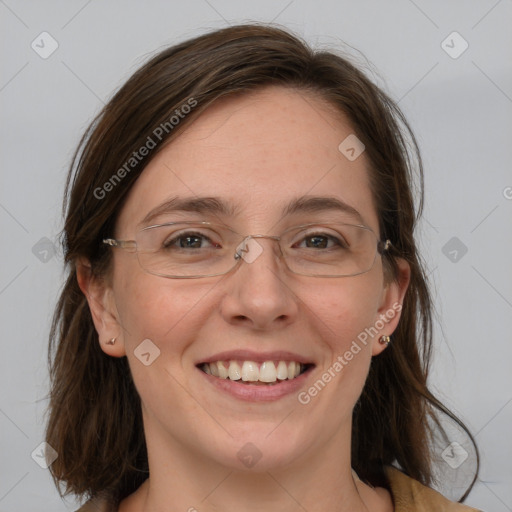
411	496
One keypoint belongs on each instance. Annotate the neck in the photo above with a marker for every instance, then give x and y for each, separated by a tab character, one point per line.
313	482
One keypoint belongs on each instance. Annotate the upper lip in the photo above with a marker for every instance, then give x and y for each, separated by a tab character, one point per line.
257	357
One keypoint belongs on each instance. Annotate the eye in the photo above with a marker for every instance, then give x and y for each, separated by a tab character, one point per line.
321	241
189	240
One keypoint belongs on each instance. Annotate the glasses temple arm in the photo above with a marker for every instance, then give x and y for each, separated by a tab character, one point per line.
122	244
383	246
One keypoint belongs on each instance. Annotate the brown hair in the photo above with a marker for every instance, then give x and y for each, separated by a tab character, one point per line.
95	421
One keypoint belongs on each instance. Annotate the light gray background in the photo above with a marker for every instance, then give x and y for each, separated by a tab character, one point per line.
460	109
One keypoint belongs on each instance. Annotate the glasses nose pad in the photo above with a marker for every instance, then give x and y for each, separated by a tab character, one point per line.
249	249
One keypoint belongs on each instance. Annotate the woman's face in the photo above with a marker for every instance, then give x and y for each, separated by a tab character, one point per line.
255	154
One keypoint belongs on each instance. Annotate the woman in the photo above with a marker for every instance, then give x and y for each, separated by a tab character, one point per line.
246	323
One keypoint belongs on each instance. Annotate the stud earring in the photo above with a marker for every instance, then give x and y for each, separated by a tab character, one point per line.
111	342
385	340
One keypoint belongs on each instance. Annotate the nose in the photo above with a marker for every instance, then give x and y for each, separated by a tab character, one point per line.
258	291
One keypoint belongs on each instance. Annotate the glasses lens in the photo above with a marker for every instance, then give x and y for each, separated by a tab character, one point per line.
192	249
333	250
186	249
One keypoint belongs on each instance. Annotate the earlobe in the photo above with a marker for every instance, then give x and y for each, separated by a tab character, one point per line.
385	340
102	307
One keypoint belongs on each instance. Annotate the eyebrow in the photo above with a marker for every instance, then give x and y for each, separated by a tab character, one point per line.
216	206
314	204
211	205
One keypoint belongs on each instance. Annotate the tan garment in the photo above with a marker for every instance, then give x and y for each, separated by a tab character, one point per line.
411	496
408	496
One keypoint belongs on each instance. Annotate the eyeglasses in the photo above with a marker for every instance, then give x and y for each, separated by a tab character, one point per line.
189	250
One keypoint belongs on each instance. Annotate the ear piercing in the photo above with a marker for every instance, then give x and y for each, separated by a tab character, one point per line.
111	342
385	340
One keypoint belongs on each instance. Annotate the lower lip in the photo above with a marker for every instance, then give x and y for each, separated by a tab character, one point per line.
258	393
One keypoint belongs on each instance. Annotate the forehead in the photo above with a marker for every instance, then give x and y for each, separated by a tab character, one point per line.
257	152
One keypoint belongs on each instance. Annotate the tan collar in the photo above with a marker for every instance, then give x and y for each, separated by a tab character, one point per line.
409	495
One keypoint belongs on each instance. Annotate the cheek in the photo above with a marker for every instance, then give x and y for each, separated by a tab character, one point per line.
344	308
162	310
344	312
169	314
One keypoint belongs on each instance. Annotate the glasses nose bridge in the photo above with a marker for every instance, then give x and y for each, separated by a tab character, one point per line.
271	237
243	246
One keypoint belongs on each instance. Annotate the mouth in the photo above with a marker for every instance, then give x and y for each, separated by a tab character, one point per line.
249	372
253	376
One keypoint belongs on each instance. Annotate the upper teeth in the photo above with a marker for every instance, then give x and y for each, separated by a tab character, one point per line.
252	372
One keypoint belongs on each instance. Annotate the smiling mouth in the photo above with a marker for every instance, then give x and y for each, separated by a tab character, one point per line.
249	372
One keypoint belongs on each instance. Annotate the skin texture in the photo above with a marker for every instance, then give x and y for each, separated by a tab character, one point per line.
257	151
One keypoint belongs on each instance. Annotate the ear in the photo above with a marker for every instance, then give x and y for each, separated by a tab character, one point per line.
389	312
100	298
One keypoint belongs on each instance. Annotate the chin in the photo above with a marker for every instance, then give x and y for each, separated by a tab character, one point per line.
260	449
